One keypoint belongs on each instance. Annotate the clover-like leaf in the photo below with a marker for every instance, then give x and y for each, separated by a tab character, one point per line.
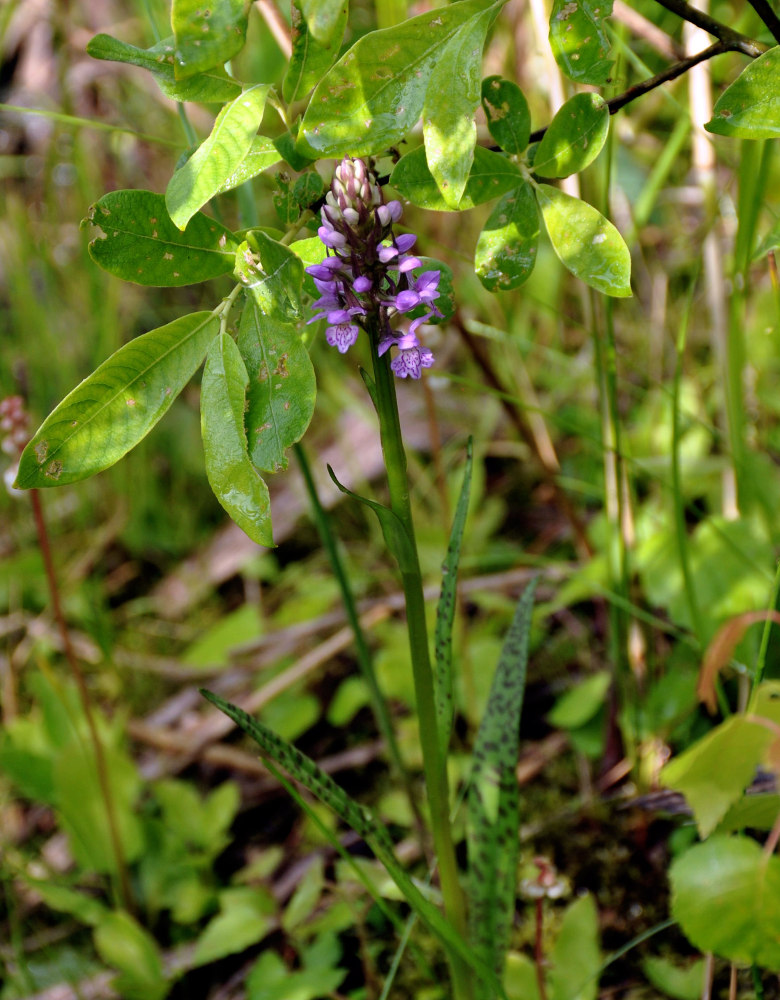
218	157
575	137
451	100
507	113
207	33
579	40
507	246
141	244
491	175
117	405
750	107
586	243
375	93
236	482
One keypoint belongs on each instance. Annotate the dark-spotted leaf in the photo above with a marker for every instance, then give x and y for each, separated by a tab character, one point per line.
579	39
310	58
262	155
750	107
575	137
451	100
726	898
207	33
507	246
586	243
274	274
491	175
507	113
141	244
218	157
117	405
493	801
374	94
282	387
214	86
236	483
323	18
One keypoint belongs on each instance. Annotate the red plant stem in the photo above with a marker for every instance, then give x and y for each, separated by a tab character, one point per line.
125	894
539	948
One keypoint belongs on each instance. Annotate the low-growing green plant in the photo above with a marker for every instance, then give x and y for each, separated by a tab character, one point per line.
338	254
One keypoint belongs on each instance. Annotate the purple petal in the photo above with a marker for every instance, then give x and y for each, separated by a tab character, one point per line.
409	264
405	242
362	284
387	254
395	209
406	300
342	336
331	238
337	316
413	326
428	278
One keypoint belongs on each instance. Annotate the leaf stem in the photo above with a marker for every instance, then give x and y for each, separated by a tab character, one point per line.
434	765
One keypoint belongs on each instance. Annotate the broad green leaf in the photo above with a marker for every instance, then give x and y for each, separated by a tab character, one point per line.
726	898
578	705
520	979
207	33
243	920
235	481
493	802
306	896
574	138
282	386
310	58
141	244
751	812
673	980
323	18
445	611
586	243
273	273
507	113
116	407
507	246
374	94
218	157
262	155
491	175
715	771
123	944
292	199
82	807
451	100
750	107
579	40
86	909
296	158
311	251
576	956
215	86
304	770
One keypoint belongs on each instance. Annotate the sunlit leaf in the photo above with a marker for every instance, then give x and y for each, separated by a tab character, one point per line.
116	407
244	919
493	801
217	157
586	243
123	944
141	244
750	107
282	386
214	86
579	40
323	18
207	33
311	58
273	273
507	113
262	155
507	246
491	175
236	483
574	138
726	898
374	94
451	100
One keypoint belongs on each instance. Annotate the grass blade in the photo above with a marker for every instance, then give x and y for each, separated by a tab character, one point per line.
445	612
493	802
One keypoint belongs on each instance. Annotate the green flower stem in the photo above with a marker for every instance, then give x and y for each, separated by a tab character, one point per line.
433	763
364	657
